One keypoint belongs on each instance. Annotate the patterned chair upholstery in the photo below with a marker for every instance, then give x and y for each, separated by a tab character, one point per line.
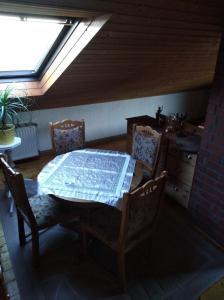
123	230
45	209
38	212
67	135
146	146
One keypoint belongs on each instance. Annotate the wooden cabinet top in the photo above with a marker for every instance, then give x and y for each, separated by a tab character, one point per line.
140	118
145	120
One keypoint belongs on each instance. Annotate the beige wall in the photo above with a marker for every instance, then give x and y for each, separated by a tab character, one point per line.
108	119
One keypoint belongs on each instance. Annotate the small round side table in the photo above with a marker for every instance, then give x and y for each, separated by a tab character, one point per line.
7	149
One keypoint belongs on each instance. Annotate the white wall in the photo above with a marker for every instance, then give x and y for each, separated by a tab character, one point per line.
108	119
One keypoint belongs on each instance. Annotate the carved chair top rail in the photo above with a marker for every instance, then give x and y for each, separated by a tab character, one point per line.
67	124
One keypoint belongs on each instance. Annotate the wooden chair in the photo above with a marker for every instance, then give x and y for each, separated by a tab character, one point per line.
67	135
38	212
123	230
146	148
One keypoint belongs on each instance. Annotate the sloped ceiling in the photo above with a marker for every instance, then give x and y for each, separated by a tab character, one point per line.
147	48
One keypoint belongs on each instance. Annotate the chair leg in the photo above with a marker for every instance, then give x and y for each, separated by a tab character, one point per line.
121	269
35	246
21	229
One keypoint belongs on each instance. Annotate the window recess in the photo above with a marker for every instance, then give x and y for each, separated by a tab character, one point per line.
54	38
31	43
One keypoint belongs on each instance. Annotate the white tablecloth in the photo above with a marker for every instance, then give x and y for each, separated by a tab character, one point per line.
88	175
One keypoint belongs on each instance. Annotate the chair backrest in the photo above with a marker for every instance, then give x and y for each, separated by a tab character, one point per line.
15	183
146	146
140	210
67	135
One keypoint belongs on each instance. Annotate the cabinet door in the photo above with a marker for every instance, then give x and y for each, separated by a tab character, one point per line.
180	155
178	191
181	170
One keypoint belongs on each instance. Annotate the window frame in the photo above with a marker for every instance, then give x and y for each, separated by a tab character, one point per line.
91	22
48	58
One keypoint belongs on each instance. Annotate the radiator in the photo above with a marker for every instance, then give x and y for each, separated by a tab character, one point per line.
28	147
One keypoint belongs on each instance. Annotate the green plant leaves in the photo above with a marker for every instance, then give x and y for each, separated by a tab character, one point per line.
10	105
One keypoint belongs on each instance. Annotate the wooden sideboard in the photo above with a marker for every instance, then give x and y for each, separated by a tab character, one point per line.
181	167
179	164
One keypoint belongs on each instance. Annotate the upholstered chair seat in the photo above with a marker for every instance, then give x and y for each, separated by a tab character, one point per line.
45	209
31	187
38	212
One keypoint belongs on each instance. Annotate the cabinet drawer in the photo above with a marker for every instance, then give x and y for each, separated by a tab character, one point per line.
178	191
184	172
192	129
188	158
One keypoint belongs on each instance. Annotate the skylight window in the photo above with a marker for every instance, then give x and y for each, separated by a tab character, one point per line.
29	43
38	43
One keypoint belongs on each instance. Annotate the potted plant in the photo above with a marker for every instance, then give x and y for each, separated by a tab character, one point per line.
10	105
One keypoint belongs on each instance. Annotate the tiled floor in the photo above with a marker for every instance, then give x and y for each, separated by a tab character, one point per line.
10	284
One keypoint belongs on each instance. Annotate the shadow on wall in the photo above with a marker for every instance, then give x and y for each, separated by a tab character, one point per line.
195	105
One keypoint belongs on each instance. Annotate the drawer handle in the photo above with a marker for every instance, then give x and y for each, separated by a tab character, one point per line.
189	156
176	189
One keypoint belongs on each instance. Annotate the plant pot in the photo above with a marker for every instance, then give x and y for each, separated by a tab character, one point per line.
7	135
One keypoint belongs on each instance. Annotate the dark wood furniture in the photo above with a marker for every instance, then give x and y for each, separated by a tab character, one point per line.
181	167
123	230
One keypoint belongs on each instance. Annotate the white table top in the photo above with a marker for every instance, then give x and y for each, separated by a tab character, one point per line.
88	175
14	144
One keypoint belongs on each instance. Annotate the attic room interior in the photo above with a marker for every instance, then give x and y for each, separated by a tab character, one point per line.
115	158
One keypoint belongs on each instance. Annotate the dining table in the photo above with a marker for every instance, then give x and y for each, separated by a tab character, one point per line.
90	176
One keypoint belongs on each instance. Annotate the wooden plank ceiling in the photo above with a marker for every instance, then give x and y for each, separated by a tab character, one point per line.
147	48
